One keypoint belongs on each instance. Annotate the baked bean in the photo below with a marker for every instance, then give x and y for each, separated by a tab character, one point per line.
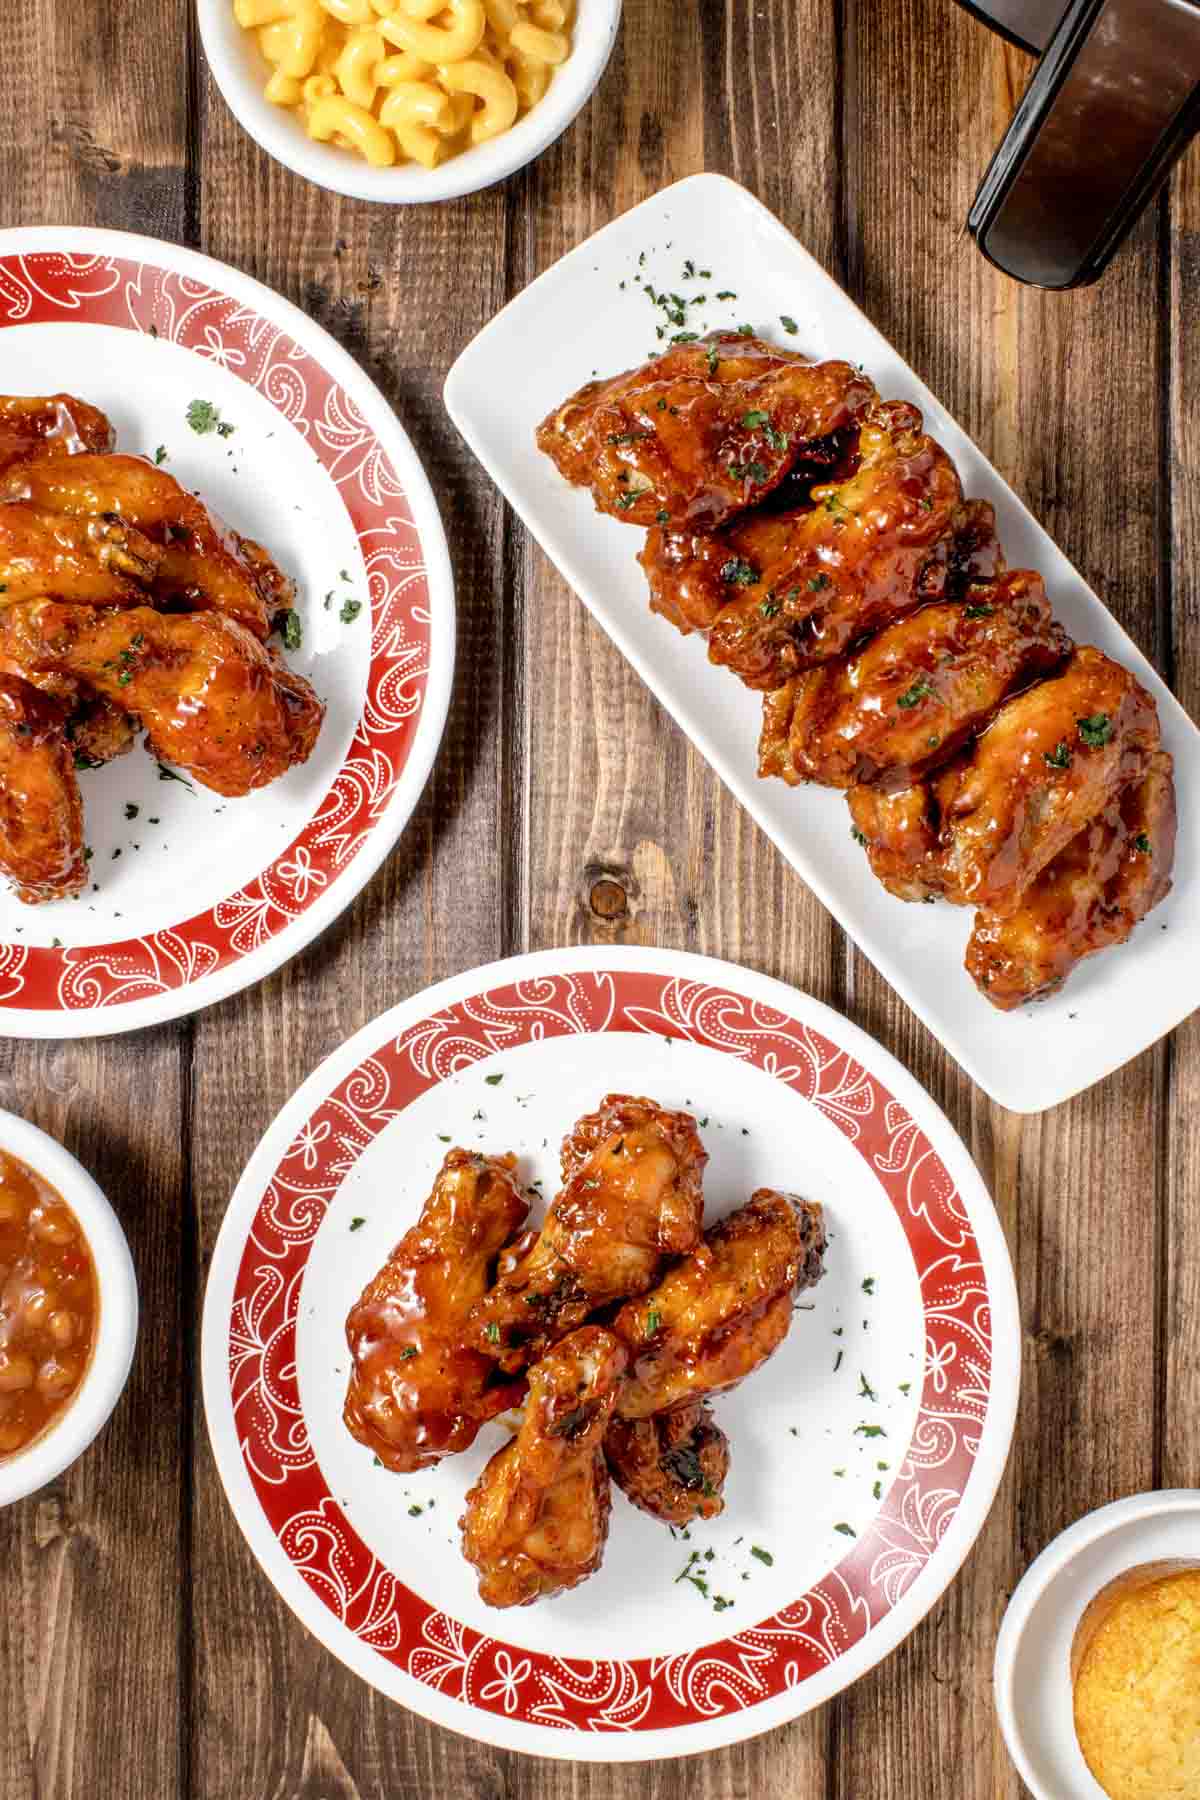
62	1326
16	1372
48	1305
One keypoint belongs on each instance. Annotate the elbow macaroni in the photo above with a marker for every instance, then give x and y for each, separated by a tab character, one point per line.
408	80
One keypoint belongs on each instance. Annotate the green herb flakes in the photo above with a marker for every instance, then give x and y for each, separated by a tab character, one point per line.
1096	731
350	611
202	416
737	572
357	1224
764	1556
912	696
789	325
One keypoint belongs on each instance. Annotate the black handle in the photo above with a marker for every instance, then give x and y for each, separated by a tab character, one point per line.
1114	101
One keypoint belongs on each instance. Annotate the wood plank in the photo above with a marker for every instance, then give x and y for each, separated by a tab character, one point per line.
393	287
1178	1398
1019	369
89	1568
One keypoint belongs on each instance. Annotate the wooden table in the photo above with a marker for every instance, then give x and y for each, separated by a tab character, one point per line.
142	1654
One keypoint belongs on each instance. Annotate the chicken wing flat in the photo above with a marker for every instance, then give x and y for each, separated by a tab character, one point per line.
898	829
1050	761
781	592
41	813
1089	898
672	1465
211	698
536	1521
198	563
417	1391
916	692
721	1312
50	425
97	561
632	1195
700	433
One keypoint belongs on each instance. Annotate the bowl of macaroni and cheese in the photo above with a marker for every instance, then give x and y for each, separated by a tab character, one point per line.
407	100
68	1309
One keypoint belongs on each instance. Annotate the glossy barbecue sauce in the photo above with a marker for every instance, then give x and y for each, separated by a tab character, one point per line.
49	1305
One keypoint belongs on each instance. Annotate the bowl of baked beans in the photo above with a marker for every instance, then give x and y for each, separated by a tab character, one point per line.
68	1309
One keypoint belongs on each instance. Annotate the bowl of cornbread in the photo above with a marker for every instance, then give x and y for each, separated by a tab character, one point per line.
1098	1660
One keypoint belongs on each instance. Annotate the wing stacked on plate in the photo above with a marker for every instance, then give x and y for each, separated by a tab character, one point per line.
819	539
617	1322
124	605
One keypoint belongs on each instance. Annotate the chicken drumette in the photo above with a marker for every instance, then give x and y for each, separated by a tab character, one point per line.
1090	897
631	1196
702	432
41	813
212	699
536	1521
778	592
672	1465
50	425
720	1313
418	1391
916	692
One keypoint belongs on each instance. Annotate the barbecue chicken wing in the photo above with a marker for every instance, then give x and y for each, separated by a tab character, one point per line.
700	433
97	561
41	813
417	1391
188	559
916	692
781	592
1090	897
211	698
718	1315
672	1465
898	829
50	425
1050	760
631	1196
536	1521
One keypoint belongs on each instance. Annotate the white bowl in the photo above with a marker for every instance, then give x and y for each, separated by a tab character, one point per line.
240	72
1034	1693
69	1436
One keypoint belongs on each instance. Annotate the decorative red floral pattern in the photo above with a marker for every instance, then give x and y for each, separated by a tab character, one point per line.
103	290
643	1693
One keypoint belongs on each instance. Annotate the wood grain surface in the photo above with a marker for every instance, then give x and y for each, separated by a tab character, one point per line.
142	1654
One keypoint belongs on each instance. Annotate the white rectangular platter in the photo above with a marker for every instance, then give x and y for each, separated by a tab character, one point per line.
588	315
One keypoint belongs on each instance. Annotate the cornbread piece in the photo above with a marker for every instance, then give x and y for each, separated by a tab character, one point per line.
1137	1692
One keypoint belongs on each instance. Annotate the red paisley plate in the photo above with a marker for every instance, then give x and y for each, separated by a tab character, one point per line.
865	1455
191	896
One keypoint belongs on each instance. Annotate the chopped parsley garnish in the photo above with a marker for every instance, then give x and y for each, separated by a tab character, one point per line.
628	437
860	837
752	471
1142	842
225	429
920	690
769	607
625	501
414	1511
662	518
350	611
846	1530
492	1333
290	628
1059	757
877	1491
838	1363
753	420
726	294
739	573
865	1390
778	440
789	325
493	1080
764	1556
685	337
713	360
817	582
653	1321
160	456
202	416
131	809
165	774
357	1224
868	1286
978	612
86	762
1096	731
408	1352
869	1431
906	1387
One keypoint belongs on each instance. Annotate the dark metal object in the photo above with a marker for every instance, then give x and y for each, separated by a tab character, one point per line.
1113	103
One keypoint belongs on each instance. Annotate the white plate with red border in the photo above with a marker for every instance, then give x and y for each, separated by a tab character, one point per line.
866	1454
588	315
192	896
